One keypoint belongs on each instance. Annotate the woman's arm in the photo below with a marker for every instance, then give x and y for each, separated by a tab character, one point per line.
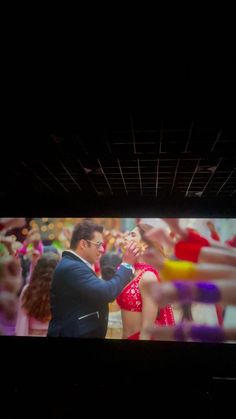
149	306
219	256
184	270
174	224
210	292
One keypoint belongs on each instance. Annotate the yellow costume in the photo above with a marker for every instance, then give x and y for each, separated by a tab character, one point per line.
173	269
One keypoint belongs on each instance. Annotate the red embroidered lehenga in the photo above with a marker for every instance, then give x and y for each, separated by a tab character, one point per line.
130	299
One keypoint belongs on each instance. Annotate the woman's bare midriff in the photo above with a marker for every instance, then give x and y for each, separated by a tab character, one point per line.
131	323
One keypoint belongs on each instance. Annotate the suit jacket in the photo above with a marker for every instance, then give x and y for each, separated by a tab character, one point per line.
79	299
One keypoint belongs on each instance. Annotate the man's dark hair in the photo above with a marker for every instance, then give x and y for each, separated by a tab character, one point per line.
84	231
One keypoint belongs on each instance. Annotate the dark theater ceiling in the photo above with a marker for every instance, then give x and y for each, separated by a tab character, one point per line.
131	157
166	136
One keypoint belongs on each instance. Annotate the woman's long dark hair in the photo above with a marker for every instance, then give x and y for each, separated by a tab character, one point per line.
36	299
108	264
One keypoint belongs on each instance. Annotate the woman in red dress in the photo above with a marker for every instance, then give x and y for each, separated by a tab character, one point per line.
138	310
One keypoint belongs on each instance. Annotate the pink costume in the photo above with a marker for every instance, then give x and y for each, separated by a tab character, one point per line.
27	325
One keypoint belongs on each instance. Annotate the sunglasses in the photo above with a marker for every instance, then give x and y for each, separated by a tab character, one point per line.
98	244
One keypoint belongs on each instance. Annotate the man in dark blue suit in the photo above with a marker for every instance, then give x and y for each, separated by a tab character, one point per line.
79	299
